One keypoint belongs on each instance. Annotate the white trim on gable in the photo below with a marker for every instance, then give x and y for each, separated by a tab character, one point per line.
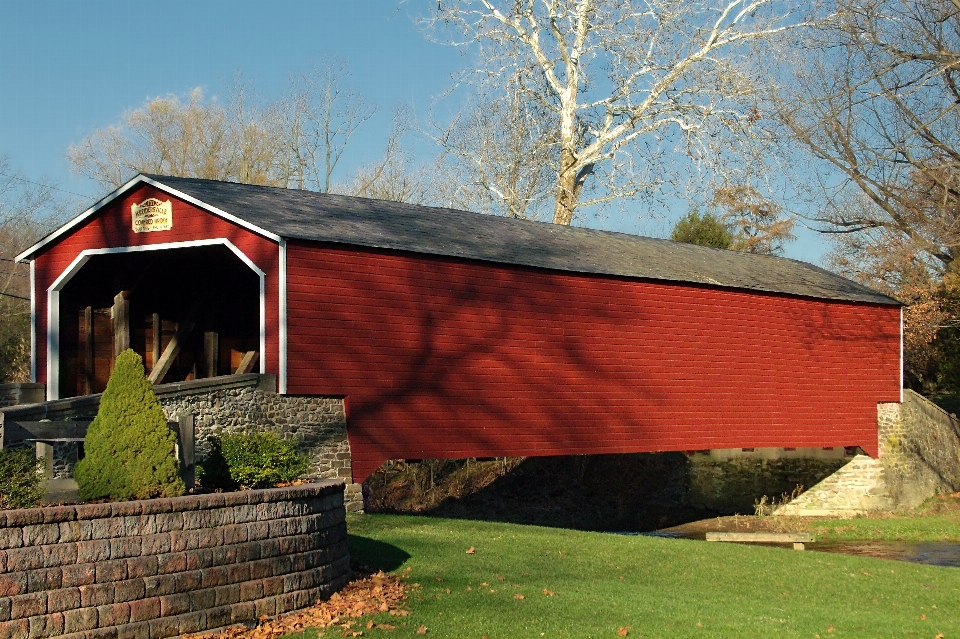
282	329
53	299
901	354
140	179
33	322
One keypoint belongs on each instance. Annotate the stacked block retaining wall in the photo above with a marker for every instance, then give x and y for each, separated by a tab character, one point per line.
166	567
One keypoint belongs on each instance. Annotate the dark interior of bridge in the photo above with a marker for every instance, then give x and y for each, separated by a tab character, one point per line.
192	311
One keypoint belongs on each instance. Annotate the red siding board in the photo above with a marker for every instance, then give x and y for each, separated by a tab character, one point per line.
450	358
111	227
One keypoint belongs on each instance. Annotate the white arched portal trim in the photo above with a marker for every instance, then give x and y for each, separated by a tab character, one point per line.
53	299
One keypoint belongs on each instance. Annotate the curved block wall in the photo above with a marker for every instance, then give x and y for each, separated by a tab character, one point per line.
165	567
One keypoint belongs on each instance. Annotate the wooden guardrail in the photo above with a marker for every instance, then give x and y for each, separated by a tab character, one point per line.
14	432
47	432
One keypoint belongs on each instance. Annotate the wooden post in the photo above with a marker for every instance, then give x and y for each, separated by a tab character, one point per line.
157	338
88	351
173	348
187	435
211	352
121	323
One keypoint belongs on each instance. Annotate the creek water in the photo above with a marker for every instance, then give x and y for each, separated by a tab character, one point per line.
932	553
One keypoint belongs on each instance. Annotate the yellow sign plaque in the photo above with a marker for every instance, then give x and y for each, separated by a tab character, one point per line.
152	215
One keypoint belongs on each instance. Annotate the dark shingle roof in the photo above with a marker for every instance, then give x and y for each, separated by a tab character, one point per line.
306	215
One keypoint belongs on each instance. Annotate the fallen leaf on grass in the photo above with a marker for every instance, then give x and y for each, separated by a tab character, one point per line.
471	551
371	594
830	629
422	630
923	617
548	593
518	596
624	631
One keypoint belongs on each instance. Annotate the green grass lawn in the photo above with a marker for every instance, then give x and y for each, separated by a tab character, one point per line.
944	528
599	583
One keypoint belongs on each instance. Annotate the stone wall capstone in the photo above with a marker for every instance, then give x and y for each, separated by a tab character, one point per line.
21	393
167	567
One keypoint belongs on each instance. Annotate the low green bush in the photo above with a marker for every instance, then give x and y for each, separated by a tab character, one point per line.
130	450
260	459
21	479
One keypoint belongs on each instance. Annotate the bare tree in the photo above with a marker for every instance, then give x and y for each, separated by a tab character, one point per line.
27	210
879	103
756	224
320	116
295	141
629	87
498	152
395	176
192	137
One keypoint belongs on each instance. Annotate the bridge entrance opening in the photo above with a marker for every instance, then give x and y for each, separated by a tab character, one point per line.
189	312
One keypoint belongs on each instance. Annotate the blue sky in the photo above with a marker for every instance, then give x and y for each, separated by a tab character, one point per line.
68	67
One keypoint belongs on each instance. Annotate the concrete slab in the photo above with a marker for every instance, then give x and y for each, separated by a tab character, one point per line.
61	490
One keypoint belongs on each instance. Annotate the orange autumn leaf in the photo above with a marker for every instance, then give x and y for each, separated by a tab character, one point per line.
471	550
518	596
624	631
422	630
367	595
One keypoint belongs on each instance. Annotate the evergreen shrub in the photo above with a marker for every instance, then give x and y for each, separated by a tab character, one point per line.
260	459
130	450
21	479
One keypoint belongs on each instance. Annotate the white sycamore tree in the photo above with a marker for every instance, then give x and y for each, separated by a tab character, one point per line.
629	87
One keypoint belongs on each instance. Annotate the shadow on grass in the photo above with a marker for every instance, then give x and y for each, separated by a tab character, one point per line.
370	554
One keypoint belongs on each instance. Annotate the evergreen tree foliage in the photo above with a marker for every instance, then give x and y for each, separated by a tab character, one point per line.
130	450
705	230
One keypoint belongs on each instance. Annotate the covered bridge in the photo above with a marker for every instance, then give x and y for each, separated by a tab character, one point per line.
454	334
